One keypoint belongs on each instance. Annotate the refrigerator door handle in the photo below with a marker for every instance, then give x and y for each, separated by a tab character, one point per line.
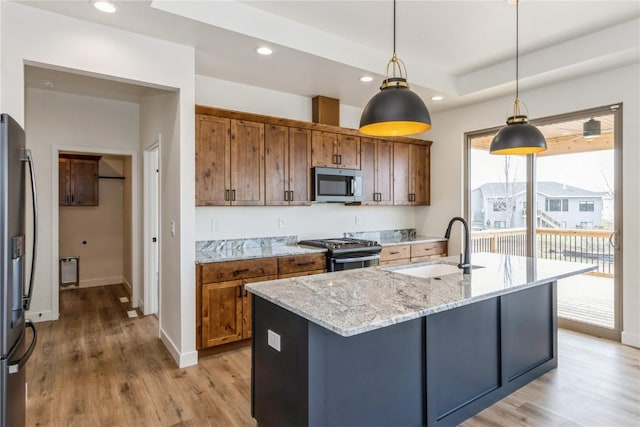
26	299
15	366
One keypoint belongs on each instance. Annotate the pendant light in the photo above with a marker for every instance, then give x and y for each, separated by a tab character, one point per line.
591	128
518	136
395	110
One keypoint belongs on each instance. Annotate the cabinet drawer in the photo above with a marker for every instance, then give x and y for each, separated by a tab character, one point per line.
419	250
232	270
301	273
297	263
390	253
400	261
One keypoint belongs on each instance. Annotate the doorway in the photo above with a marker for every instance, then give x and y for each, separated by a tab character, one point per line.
574	216
152	229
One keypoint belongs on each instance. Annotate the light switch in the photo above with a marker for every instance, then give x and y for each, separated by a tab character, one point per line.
273	340
172	228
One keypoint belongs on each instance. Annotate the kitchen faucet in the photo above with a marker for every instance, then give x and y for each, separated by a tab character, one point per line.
465	264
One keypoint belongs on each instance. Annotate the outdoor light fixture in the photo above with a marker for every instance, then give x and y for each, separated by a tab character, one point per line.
591	128
395	110
518	136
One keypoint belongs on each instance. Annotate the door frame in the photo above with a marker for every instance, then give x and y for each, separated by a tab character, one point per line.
55	222
152	297
615	109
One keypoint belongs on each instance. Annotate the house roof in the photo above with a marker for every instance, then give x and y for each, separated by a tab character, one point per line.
547	188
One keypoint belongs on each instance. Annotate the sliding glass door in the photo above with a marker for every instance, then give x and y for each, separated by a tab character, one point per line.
574	214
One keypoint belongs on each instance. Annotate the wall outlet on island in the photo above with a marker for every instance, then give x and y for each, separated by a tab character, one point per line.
282	223
358	219
214	225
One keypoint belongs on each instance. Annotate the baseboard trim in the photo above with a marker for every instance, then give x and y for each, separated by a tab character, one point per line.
41	316
182	359
629	339
102	281
127	284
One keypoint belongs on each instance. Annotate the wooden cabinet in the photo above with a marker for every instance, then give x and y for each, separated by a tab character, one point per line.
78	180
287	159
411	174
223	306
229	161
301	265
376	161
413	252
335	150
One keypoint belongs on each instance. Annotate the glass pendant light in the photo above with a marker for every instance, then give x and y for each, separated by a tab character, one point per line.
395	110
518	136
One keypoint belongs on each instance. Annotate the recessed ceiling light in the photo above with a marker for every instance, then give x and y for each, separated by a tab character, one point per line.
263	50
366	79
104	6
437	98
49	84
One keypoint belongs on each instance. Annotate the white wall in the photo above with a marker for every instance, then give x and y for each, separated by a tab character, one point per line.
33	36
319	220
610	87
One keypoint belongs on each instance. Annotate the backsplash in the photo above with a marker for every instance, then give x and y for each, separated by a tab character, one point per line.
384	235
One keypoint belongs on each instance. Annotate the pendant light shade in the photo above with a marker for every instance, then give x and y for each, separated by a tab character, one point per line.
591	129
518	136
395	110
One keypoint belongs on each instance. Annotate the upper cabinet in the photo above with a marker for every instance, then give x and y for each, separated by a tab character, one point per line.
78	180
287	160
335	150
377	171
229	161
411	174
253	160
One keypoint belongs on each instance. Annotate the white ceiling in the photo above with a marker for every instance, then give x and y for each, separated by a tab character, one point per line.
463	50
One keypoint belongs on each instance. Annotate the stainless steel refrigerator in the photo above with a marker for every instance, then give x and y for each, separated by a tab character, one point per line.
16	345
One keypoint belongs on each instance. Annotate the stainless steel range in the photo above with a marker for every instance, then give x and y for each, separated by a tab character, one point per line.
346	254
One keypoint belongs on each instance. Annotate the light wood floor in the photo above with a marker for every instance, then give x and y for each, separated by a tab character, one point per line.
96	367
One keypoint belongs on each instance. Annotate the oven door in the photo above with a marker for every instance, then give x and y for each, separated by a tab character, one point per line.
352	261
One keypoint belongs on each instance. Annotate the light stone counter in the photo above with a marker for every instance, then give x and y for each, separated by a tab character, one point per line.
240	249
394	237
356	301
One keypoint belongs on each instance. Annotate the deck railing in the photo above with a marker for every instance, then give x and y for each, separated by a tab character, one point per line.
582	246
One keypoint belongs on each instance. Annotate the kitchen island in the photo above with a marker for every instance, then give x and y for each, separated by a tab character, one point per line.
379	347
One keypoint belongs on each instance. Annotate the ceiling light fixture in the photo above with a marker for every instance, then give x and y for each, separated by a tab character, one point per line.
104	6
591	128
263	50
395	110
518	136
437	98
366	79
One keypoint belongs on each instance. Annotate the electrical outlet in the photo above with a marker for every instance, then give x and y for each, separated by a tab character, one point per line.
281	222
273	340
358	219
214	225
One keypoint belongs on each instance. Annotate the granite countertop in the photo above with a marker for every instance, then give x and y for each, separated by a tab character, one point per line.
259	247
393	241
356	301
394	237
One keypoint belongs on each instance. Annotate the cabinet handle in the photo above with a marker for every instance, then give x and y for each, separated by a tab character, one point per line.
394	253
226	195
339	159
302	264
286	196
246	294
233	195
240	291
244	270
72	198
291	196
335	159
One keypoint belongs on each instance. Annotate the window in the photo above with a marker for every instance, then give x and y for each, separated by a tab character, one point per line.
500	205
499	224
557	205
586	225
586	206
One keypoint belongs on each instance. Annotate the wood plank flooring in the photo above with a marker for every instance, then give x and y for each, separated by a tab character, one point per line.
97	367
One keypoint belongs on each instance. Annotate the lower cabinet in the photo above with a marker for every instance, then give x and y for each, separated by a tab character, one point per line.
414	252
223	305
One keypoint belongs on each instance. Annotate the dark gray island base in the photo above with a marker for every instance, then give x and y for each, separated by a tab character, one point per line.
436	370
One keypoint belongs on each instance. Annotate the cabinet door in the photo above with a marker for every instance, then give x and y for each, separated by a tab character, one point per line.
64	182
299	166
276	165
246	304
419	172
221	312
348	151
247	163
84	182
212	160
401	187
368	149
384	172
323	149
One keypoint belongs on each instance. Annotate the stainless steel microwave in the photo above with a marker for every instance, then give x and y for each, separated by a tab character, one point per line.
336	185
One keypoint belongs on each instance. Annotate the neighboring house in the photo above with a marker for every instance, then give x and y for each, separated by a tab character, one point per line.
496	205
